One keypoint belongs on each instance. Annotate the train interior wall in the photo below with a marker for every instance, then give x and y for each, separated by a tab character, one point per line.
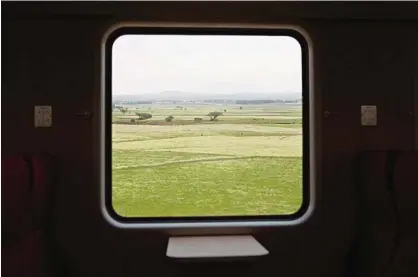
51	56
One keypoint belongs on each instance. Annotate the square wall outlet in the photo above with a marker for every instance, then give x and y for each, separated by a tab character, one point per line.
368	115
43	116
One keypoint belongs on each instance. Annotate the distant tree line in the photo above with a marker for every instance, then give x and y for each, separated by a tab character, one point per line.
245	102
131	102
257	102
209	101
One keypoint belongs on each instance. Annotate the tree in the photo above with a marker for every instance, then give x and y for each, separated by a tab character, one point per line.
240	107
123	110
214	115
169	118
143	116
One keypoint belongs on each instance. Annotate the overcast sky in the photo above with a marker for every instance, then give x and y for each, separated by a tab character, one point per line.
143	64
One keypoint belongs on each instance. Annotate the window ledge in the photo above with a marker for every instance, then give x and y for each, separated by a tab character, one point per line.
209	247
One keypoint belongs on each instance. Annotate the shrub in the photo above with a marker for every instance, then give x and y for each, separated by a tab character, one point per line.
214	115
143	116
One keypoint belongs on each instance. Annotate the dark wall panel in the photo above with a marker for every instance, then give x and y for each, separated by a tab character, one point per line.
56	62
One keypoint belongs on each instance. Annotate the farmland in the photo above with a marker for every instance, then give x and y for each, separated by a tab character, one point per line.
247	161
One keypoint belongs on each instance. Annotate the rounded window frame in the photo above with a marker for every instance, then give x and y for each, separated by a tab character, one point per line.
308	155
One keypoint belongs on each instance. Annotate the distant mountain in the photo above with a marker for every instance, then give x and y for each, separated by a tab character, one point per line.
183	96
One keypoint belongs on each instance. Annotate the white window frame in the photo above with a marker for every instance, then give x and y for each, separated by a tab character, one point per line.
217	225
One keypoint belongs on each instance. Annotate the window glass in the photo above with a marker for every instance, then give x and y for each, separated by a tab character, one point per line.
206	125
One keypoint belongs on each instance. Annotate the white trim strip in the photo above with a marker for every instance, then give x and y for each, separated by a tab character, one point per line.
214	247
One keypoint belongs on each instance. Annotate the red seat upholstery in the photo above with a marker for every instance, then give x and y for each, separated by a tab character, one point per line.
15	190
388	234
406	189
374	187
27	256
377	224
26	184
42	178
405	179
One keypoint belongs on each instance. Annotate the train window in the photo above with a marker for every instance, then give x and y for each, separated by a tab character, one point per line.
206	124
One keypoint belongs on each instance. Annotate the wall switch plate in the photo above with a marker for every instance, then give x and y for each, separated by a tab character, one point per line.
368	115
43	116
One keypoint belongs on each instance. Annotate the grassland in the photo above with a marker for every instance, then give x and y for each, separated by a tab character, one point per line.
247	162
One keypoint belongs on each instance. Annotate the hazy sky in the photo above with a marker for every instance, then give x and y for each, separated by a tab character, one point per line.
143	64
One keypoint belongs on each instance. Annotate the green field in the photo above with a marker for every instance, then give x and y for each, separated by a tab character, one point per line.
247	162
